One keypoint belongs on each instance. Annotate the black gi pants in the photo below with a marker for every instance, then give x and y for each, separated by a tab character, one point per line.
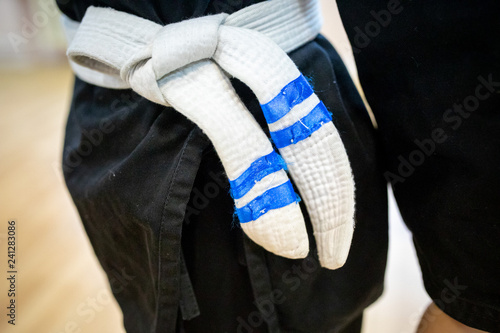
154	199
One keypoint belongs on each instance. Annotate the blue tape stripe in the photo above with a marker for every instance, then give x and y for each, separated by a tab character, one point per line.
292	94
258	169
277	197
303	128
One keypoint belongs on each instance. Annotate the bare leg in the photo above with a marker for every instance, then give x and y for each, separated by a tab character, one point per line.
436	321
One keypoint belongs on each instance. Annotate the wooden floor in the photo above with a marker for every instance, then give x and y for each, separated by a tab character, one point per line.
58	276
60	287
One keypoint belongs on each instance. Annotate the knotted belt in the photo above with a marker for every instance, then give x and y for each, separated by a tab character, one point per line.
186	65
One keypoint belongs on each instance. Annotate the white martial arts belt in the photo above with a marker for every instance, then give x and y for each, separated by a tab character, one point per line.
186	65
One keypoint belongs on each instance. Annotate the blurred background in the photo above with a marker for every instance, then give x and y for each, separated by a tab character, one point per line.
60	286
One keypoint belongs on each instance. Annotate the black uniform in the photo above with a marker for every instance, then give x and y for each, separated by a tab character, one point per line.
155	201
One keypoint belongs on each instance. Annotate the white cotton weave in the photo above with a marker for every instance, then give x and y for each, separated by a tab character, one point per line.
239	141
184	65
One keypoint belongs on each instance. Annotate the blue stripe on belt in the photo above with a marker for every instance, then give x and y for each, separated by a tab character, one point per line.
303	128
276	197
260	168
292	94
